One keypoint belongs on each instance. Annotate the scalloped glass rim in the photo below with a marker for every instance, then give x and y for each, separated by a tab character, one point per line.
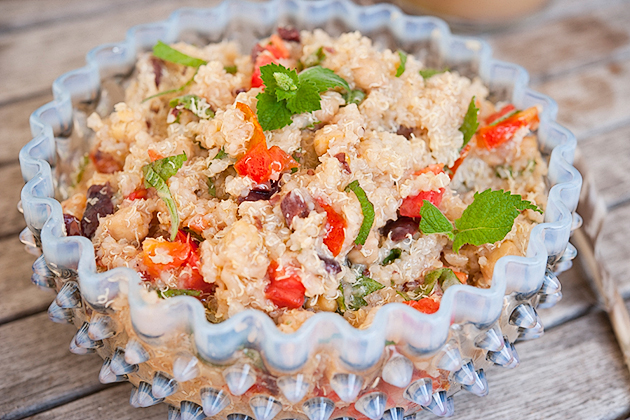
416	334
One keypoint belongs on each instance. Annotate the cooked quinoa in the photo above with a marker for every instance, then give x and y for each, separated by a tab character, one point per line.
243	244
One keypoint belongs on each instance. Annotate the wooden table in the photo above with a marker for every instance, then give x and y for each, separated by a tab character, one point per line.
577	51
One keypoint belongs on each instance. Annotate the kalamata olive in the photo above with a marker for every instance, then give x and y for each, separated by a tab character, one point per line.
73	225
330	265
261	192
292	205
157	65
400	228
99	204
289	34
341	157
104	162
404	131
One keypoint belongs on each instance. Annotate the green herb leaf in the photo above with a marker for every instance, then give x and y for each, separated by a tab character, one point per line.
230	69
220	154
366	208
155	175
272	114
360	289
167	53
394	254
503	118
355	96
341	301
323	78
169	293
445	277
489	218
212	190
166	92
428	73
403	63
314	59
194	235
426	288
306	99
270	73
433	221
470	124
285	81
194	104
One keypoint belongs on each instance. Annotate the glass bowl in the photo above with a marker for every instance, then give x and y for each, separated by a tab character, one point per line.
404	362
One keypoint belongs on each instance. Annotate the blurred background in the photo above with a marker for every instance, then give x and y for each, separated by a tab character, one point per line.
576	51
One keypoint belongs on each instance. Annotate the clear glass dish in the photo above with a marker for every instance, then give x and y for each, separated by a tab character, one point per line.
404	362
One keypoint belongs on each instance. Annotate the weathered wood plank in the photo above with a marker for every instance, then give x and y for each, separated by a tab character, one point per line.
608	156
110	404
11	220
18	296
557	46
22	14
15	131
592	99
38	371
63	47
573	372
614	245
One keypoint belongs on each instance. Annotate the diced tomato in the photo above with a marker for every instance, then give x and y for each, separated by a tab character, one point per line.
271	53
262	60
460	160
154	251
190	277
436	168
260	163
500	114
153	155
285	289
277	47
411	206
335	229
424	305
139	194
496	135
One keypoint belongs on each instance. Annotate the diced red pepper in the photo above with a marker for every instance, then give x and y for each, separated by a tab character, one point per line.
335	229
460	160
424	305
411	206
154	249
496	135
139	194
285	289
260	163
500	114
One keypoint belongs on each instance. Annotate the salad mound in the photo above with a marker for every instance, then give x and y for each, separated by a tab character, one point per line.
312	174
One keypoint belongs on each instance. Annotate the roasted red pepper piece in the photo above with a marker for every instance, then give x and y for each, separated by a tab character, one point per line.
424	305
496	135
411	206
285	289
335	229
260	163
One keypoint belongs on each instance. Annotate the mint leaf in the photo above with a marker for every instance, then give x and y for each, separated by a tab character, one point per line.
489	218
323	78
271	113
166	92
194	104
230	69
271	72
403	63
177	292
470	124
394	254
355	96
167	53
367	209
212	190
360	289
220	154
284	81
445	277
428	73
306	99
314	59
155	175
433	221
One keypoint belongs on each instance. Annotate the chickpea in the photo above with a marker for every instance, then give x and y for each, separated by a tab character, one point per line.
506	248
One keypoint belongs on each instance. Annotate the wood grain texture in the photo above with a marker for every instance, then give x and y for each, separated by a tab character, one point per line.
609	157
615	246
108	404
18	296
573	372
594	99
557	46
11	220
38	370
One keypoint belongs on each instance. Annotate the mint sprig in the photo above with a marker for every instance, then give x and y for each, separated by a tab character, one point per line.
359	290
403	63
155	175
287	93
470	124
170	54
488	219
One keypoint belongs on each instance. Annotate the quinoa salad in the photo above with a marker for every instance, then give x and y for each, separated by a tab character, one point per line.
312	173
